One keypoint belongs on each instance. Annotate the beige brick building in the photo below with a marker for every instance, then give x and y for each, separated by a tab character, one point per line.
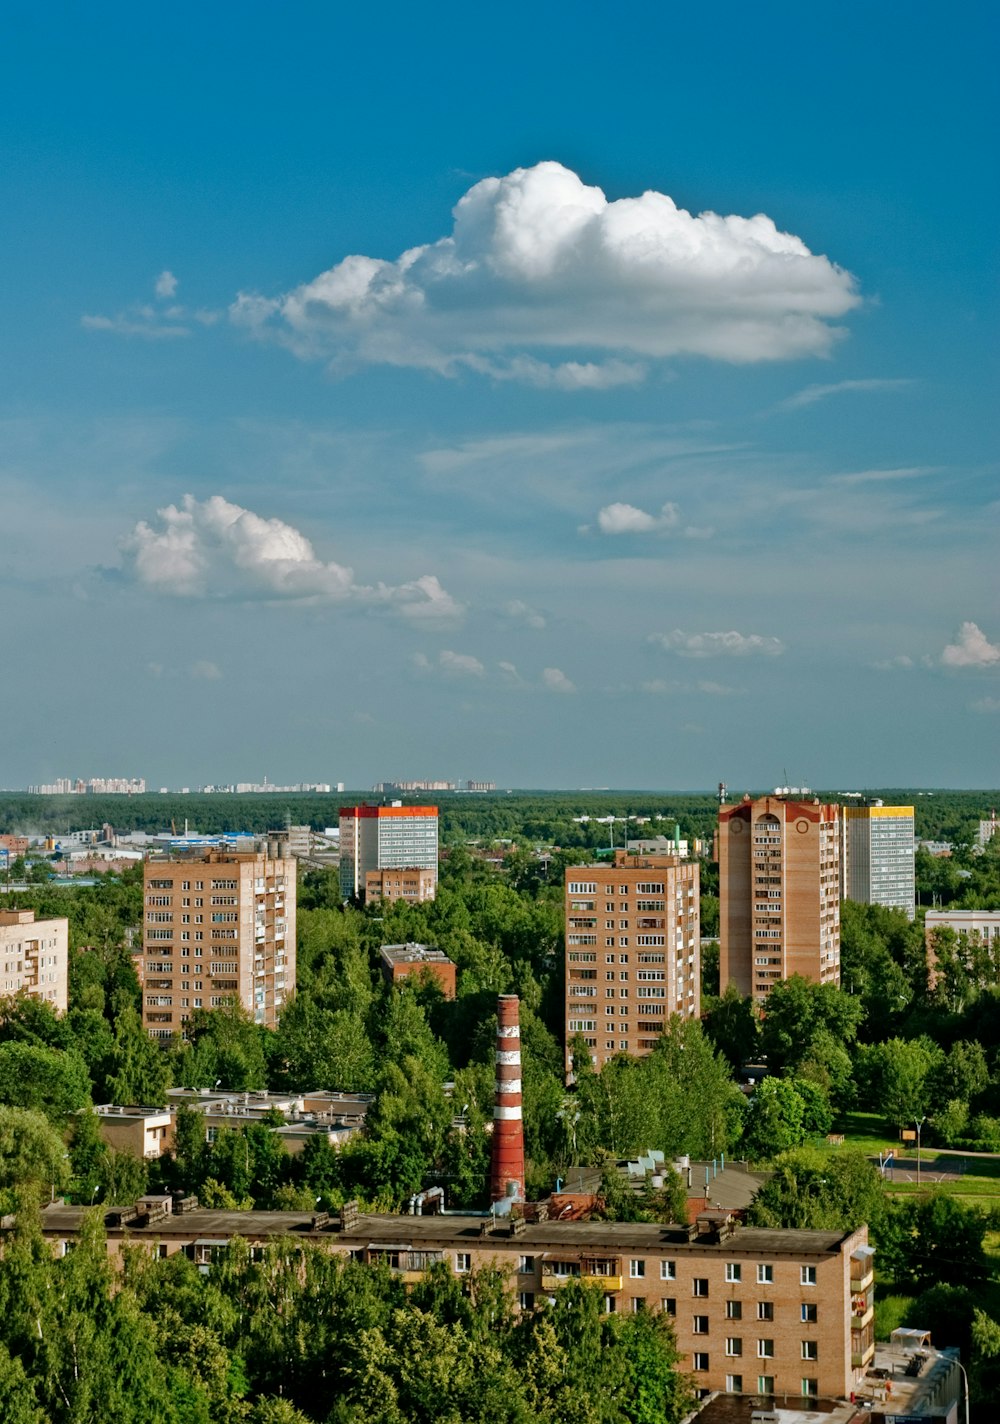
34	957
216	928
633	947
779	893
413	884
757	1312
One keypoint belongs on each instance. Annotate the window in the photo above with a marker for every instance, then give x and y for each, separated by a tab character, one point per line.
699	1286
733	1271
668	1270
526	1300
700	1362
525	1265
638	1303
765	1310
463	1262
810	1350
734	1384
700	1326
734	1346
810	1387
765	1349
765	1275
668	1305
734	1310
765	1384
807	1275
809	1314
637	1269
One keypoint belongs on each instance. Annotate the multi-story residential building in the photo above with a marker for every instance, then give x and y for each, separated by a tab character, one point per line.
779	893
633	952
410	884
399	961
34	957
393	837
876	855
981	929
756	1312
217	927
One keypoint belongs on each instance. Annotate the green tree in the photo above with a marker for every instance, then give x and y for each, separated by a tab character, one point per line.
139	1071
34	1163
731	1024
48	1080
775	1119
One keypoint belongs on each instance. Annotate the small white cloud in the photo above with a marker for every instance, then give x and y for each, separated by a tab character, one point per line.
718	689
985	704
155	669
165	285
461	664
125	325
660	687
812	394
509	672
870	477
900	661
538	261
520	612
208	671
556	680
421	662
627	519
216	549
971	648
711	645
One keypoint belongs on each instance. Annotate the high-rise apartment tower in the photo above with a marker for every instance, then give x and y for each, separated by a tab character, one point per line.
217	928
393	837
876	855
633	952
779	893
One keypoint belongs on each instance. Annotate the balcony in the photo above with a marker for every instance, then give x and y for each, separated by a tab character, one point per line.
862	1277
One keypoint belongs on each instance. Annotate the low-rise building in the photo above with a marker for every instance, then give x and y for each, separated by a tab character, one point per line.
143	1131
34	957
399	961
756	1312
412	883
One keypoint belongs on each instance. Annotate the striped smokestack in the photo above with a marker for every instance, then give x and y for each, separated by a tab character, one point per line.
507	1162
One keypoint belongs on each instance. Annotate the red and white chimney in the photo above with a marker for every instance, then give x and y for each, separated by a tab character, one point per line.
507	1161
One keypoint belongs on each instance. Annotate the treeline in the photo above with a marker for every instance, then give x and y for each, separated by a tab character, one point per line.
301	1335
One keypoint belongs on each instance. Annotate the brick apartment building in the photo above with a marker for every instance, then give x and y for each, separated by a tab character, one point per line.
779	893
401	960
633	946
34	957
759	1312
216	928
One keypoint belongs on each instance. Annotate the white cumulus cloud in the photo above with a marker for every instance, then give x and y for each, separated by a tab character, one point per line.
539	262
971	648
712	645
628	519
216	549
461	664
556	680
165	285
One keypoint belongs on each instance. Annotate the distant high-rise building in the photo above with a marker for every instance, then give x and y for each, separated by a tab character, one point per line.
876	855
779	893
394	837
217	927
633	951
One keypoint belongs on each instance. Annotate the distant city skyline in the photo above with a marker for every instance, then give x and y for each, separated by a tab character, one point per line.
559	401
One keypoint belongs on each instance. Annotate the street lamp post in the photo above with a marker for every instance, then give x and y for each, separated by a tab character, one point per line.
918	1126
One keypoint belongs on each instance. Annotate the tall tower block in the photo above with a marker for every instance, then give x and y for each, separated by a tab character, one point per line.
507	1159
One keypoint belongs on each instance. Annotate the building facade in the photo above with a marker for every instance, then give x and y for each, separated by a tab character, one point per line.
779	893
399	961
981	929
876	856
393	837
216	928
410	884
633	952
755	1311
34	957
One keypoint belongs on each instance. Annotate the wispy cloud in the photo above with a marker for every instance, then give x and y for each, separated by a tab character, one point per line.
985	704
556	680
628	519
874	477
811	394
520	612
215	549
714	645
154	322
452	664
538	260
971	649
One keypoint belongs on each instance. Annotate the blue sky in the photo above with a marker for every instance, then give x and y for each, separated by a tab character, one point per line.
360	417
